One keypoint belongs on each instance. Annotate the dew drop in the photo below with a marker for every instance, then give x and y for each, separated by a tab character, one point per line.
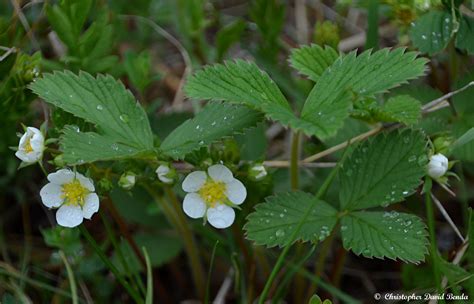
412	158
99	107
280	233
124	118
423	37
114	147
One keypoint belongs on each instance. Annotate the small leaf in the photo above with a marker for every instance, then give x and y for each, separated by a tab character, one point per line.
215	121
432	31
383	170
102	101
465	35
403	108
313	60
227	36
352	76
390	235
274	222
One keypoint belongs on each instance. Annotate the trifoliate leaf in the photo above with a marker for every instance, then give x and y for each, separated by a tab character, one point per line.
241	82
351	77
102	101
465	35
383	170
313	60
432	31
215	121
403	108
390	235
275	221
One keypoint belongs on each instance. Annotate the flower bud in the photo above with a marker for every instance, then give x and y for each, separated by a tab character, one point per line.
437	166
166	174
442	144
257	172
127	180
31	146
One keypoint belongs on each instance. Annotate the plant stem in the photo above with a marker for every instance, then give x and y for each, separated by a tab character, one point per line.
132	292
294	160
433	248
190	244
177	219
211	264
70	275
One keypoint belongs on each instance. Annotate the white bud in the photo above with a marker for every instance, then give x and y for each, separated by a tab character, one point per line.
165	174
127	180
257	172
438	165
31	146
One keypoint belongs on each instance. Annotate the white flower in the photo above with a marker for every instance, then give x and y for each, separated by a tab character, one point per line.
257	172
213	194
165	174
73	194
31	146
438	165
127	180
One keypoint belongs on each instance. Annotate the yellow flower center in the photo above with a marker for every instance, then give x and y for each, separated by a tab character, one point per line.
28	148
74	193
213	192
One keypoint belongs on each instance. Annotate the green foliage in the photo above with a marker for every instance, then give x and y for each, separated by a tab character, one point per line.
352	77
89	49
402	108
227	36
432	31
385	234
465	35
315	299
215	121
269	15
104	102
326	33
383	170
275	221
65	239
138	69
241	82
154	245
313	60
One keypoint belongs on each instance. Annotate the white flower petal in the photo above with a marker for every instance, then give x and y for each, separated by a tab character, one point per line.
85	182
236	192
91	205
69	216
221	216
61	177
51	195
438	165
37	141
31	157
194	181
194	206
220	173
162	172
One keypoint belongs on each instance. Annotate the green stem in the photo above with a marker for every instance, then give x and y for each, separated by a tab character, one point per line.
189	243
294	159
70	275
211	264
431	227
132	292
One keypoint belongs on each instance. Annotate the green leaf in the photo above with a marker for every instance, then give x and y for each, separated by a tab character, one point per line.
215	121
313	60
104	102
463	139
274	221
403	108
87	147
390	235
227	36
432	31
241	82
383	170
352	76
137	67
465	35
